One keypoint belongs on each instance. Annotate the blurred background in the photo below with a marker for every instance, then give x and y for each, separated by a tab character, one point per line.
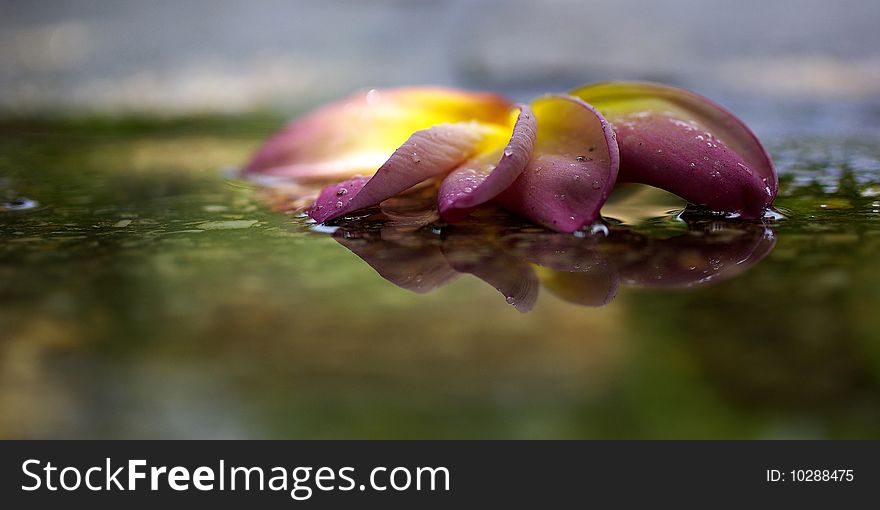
184	56
147	292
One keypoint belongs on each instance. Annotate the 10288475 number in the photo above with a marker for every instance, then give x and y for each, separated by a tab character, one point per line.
821	475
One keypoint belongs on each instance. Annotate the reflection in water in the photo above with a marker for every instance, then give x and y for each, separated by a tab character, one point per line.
583	269
149	297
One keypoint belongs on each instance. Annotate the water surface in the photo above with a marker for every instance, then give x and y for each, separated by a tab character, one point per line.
144	292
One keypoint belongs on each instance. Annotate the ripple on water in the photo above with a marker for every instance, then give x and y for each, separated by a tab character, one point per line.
19	204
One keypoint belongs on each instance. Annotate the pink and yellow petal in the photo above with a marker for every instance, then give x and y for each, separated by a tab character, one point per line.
427	153
572	168
358	134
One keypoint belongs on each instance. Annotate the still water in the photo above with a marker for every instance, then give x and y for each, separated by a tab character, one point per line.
145	292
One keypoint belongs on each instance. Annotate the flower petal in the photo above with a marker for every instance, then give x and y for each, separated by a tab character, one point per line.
487	174
427	153
356	135
682	142
572	167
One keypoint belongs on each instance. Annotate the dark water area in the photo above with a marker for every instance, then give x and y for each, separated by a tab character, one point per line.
147	292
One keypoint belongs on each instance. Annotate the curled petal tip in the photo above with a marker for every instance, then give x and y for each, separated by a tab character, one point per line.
484	176
336	198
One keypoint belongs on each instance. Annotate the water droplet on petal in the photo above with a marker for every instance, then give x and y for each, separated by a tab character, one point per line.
339	205
341	191
372	97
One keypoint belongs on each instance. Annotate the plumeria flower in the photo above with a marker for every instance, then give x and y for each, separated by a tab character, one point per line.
554	161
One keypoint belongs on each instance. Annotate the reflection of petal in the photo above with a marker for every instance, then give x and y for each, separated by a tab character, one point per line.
582	270
596	287
427	153
685	143
573	269
487	174
418	266
572	169
478	255
357	134
695	258
561	252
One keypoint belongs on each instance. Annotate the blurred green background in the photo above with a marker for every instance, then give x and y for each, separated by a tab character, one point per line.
150	295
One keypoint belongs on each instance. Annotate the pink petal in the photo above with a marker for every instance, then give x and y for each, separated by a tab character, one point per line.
686	160
427	153
572	168
682	142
